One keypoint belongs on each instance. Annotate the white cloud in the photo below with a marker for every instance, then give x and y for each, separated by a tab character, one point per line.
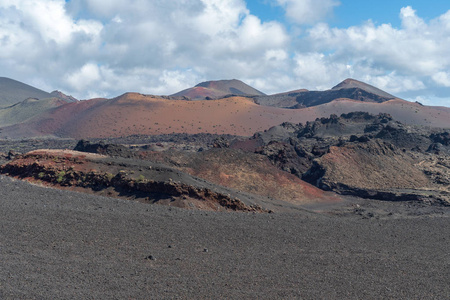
85	78
307	11
105	48
417	48
410	20
318	72
442	78
394	83
46	20
106	40
431	100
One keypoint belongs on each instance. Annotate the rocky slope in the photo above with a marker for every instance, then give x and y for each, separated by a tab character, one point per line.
363	155
358	154
348	89
66	245
153	182
268	189
217	89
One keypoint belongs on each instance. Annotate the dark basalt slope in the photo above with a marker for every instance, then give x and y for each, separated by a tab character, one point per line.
349	88
363	155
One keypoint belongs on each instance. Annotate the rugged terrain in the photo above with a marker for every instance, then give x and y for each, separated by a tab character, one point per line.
345	198
348	89
357	154
151	115
243	112
363	155
151	182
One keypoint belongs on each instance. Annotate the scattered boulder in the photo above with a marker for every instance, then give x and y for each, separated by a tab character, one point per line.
442	138
221	142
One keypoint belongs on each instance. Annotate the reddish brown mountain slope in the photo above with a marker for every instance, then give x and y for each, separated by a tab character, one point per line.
217	89
134	113
243	171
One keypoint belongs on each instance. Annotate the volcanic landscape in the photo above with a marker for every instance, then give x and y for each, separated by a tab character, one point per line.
220	191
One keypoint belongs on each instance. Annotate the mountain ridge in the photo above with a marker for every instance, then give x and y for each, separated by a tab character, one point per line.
349	89
218	88
353	83
13	91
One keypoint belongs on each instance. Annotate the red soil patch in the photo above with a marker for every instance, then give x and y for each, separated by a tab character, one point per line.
95	173
247	172
201	92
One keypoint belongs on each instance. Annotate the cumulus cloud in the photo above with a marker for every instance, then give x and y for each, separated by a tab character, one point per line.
84	78
411	58
417	48
83	44
442	78
317	71
307	11
104	48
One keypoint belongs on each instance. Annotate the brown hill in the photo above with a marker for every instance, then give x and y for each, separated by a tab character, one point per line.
217	89
134	113
64	97
20	102
243	171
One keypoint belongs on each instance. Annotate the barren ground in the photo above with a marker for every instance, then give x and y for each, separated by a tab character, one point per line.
101	118
66	245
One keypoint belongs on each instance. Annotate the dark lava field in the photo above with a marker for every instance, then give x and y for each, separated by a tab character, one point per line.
67	245
347	207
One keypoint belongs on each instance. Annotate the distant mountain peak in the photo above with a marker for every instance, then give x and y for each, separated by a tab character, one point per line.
351	83
213	83
219	88
13	91
64	97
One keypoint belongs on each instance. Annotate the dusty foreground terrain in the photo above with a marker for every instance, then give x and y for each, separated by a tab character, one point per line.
63	245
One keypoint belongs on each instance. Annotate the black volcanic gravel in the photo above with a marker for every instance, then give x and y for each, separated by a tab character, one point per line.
63	245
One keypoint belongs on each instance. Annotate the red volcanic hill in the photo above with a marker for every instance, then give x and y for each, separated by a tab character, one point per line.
134	113
218	89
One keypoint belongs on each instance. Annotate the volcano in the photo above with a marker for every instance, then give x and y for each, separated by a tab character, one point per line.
218	89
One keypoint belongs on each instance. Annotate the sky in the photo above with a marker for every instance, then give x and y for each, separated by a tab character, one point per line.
97	48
